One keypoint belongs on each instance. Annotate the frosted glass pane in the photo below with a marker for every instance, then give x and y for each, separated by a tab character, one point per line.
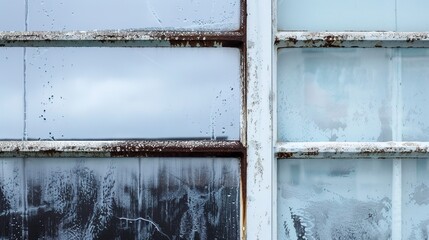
415	86
415	199
11	198
98	93
12	15
11	93
149	198
334	199
336	15
134	14
334	95
413	15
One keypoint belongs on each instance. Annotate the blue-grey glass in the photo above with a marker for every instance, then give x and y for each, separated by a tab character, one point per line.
148	198
412	15
12	15
334	95
337	15
134	14
334	199
11	198
11	93
415	199
99	93
415	98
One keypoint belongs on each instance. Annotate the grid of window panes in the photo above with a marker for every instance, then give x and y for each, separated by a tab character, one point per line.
97	91
352	95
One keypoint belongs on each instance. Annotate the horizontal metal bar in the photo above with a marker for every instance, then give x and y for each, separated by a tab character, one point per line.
352	39
121	149
352	150
129	38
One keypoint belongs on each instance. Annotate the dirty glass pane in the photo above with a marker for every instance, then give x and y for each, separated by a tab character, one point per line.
134	14
149	198
415	199
105	93
337	15
334	95
11	198
334	199
412	15
12	15
11	93
415	86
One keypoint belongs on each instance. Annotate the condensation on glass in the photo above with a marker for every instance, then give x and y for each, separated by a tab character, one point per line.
12	15
415	199
50	15
129	198
125	93
11	93
11	198
352	95
334	199
365	15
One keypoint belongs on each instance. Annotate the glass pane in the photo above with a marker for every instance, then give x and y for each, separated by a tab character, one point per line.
334	95
338	15
11	93
11	198
150	198
412	15
99	93
415	86
415	199
12	15
134	14
334	199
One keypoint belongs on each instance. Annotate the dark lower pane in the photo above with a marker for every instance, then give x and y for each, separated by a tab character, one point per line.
11	198
334	199
150	198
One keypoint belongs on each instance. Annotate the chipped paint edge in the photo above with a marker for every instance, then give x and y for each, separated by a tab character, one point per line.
319	150
352	39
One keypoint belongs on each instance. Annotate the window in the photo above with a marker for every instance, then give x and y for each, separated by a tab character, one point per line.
122	120
336	130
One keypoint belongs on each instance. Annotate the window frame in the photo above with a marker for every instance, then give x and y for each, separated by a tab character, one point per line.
140	148
264	150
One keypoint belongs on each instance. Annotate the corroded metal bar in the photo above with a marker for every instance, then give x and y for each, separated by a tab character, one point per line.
353	150
352	39
128	38
197	148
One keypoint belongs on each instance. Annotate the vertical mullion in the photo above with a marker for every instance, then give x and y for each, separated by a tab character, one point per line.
259	129
397	136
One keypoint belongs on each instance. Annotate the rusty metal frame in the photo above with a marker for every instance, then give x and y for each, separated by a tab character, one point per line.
334	150
141	148
286	39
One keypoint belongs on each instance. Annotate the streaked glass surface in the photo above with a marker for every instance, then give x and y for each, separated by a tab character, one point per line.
12	15
11	198
412	15
131	198
334	199
415	199
11	93
364	15
334	95
105	93
62	15
338	15
415	88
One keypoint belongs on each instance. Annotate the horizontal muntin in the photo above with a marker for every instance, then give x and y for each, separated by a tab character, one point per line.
352	150
352	39
121	38
131	148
